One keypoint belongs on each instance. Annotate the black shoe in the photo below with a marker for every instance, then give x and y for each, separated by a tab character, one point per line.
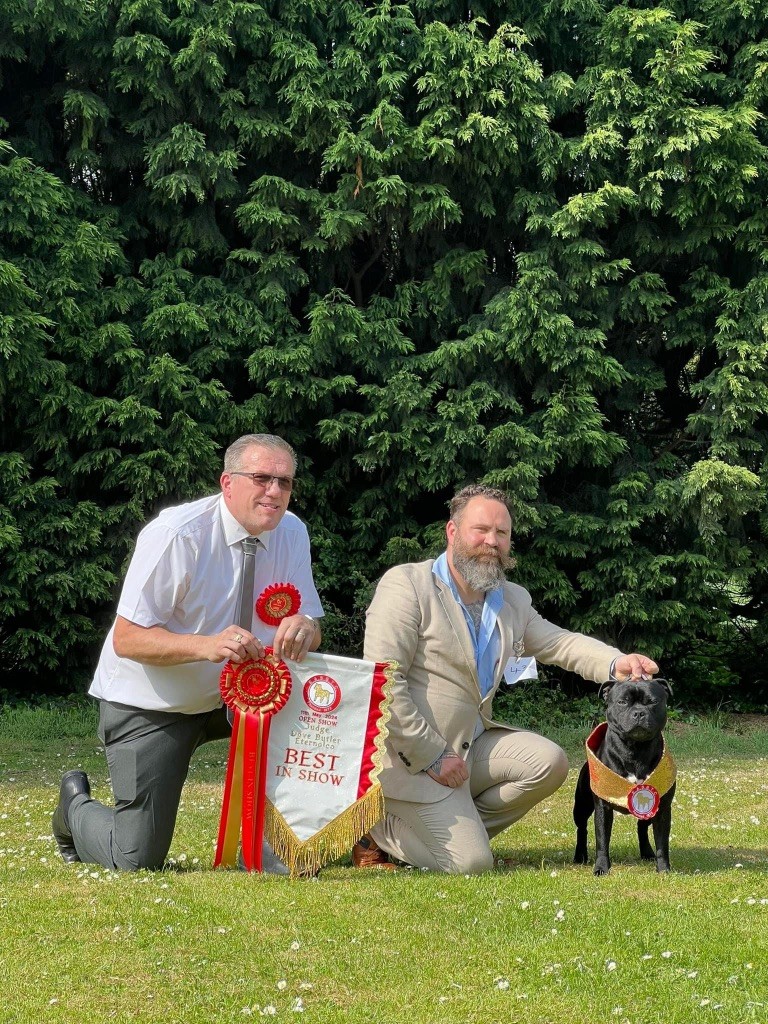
72	783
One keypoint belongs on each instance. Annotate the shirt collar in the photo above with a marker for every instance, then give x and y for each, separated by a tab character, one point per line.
235	532
441	570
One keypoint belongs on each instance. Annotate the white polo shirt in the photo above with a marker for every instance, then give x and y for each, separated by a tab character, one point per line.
185	575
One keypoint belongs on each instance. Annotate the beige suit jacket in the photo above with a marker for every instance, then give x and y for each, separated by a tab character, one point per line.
415	621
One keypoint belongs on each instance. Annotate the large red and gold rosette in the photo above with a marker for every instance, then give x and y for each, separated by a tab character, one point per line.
278	601
255	690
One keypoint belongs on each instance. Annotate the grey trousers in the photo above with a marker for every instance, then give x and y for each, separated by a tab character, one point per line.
148	753
509	773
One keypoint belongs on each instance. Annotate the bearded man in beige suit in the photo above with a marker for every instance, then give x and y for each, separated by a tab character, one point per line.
452	777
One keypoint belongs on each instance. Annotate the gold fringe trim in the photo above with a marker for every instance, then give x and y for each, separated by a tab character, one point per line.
331	842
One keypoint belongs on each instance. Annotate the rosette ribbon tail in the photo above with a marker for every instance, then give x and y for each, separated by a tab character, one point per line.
256	746
229	824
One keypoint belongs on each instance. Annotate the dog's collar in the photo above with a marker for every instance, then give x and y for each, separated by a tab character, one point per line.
642	798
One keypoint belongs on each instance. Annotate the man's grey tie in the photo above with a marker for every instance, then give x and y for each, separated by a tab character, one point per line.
245	606
245	602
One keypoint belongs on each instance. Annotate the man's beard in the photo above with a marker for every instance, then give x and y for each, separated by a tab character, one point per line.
483	569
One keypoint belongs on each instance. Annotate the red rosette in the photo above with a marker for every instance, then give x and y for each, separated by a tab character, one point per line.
255	690
263	685
278	601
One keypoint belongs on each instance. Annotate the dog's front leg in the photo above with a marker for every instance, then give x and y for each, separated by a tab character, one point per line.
646	850
662	826
603	827
583	808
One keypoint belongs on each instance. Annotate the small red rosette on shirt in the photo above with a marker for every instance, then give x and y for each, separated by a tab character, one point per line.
276	602
255	690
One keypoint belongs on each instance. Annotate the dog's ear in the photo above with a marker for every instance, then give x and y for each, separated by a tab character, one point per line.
605	689
665	683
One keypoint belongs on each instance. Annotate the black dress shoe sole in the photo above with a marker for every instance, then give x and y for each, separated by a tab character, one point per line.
69	854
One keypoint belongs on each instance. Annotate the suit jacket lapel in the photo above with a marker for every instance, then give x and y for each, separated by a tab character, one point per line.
458	625
505	622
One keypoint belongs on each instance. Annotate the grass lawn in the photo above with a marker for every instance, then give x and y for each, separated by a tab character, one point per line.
545	942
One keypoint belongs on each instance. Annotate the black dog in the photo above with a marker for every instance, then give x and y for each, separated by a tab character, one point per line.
628	770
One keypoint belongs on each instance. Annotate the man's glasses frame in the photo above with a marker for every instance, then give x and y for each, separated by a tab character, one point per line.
285	483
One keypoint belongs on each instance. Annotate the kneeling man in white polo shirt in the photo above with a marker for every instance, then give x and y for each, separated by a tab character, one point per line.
178	619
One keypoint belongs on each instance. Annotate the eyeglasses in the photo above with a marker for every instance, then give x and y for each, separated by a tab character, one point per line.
285	483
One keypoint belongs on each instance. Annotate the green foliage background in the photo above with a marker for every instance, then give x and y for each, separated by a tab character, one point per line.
426	243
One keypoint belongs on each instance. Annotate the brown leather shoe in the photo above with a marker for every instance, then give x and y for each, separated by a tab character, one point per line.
366	854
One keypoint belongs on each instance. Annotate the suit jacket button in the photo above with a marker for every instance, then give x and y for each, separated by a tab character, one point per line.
403	758
465	746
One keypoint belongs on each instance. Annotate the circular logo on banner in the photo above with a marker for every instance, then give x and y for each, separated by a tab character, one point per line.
277	601
322	694
643	801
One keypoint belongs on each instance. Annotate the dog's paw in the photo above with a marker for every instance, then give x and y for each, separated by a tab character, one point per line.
602	867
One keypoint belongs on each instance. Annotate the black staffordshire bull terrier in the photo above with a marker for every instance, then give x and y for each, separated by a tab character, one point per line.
628	769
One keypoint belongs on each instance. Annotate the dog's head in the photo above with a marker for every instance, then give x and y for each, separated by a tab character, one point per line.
636	710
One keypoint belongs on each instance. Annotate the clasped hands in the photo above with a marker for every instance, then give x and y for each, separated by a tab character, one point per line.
293	640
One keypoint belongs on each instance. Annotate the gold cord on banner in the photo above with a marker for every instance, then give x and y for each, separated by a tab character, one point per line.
390	667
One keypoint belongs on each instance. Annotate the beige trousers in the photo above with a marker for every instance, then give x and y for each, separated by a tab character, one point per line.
509	773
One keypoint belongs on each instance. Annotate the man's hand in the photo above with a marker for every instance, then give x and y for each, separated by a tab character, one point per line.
234	644
156	645
449	770
296	636
634	666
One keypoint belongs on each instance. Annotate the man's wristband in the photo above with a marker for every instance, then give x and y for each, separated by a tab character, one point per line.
437	763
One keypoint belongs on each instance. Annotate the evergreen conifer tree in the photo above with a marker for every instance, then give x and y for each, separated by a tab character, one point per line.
427	244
